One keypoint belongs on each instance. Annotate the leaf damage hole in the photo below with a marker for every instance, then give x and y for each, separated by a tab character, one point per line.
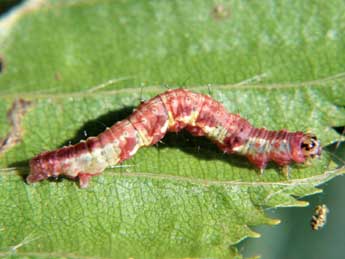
15	116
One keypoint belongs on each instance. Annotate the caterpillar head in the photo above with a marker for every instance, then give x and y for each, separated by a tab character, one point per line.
310	146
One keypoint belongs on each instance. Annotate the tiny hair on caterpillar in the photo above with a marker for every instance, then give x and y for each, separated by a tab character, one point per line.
172	111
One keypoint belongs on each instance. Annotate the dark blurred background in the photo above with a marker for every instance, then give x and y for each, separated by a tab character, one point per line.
293	238
6	5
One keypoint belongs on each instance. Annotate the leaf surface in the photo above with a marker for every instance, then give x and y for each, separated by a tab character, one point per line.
276	65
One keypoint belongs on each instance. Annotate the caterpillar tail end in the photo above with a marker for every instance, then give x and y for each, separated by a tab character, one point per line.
33	178
36	172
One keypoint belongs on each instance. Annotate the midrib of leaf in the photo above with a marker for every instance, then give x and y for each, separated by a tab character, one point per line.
312	180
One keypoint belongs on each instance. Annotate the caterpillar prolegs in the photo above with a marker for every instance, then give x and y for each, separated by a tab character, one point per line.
173	111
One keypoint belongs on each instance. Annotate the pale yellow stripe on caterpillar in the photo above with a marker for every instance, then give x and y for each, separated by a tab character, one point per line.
80	162
196	107
216	133
170	100
165	101
141	136
150	120
90	161
110	151
125	134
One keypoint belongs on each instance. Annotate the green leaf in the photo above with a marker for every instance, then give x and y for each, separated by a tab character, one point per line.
278	65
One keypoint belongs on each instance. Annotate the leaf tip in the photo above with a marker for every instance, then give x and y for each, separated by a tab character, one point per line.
254	234
274	221
302	203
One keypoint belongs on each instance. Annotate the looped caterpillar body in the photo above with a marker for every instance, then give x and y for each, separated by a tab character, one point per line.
173	111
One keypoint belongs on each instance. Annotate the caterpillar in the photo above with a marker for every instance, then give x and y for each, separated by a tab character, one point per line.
319	218
172	111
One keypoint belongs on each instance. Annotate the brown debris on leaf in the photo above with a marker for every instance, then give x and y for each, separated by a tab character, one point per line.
2	64
220	12
15	116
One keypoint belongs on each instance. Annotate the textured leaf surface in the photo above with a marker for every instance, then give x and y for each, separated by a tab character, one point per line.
183	197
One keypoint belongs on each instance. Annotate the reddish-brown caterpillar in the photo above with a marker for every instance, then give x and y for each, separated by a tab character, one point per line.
173	111
320	217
